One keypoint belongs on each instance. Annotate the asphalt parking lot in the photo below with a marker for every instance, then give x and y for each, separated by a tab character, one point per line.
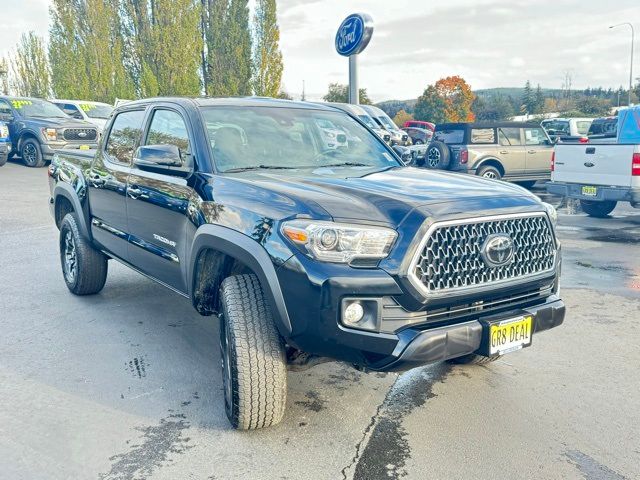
126	384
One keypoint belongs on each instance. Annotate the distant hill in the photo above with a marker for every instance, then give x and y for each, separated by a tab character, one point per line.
391	107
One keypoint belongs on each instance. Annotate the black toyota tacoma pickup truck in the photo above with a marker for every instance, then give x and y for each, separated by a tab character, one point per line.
38	129
305	252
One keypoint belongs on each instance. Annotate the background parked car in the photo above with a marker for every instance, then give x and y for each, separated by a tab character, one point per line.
5	143
419	124
567	129
603	128
332	136
398	137
38	129
96	113
419	136
516	151
358	112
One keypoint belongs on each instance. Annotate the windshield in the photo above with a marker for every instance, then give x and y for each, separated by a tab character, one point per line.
245	138
94	110
31	107
388	124
368	121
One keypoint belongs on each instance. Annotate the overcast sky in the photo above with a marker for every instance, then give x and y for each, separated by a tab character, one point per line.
491	43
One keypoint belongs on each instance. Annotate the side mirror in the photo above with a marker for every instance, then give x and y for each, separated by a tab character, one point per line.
162	159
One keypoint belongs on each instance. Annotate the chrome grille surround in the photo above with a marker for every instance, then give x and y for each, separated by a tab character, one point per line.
448	260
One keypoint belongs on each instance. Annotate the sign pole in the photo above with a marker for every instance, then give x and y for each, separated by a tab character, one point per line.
354	96
352	37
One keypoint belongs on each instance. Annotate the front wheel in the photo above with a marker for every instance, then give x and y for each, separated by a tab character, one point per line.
83	267
31	153
598	209
254	367
3	159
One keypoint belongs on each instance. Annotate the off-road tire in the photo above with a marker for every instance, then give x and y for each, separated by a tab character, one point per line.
490	172
598	209
90	272
3	159
438	156
473	359
31	153
254	366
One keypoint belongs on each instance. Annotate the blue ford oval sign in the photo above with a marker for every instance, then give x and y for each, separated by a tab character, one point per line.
354	34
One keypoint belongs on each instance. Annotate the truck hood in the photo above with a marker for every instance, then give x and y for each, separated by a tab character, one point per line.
56	122
384	197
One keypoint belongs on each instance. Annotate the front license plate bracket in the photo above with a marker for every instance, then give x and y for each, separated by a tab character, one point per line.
503	336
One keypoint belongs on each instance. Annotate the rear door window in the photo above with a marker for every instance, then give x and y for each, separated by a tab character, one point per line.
483	135
124	136
509	136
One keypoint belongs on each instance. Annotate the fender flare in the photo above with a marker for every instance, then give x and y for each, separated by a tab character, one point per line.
480	163
66	190
24	135
250	253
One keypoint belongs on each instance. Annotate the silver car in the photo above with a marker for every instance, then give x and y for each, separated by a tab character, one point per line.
359	112
398	137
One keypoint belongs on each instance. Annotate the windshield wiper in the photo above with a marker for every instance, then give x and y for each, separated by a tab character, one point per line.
258	167
346	164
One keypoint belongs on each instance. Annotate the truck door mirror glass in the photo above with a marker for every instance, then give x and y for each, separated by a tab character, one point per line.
162	159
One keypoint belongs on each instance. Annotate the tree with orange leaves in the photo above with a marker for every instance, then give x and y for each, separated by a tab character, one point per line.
449	100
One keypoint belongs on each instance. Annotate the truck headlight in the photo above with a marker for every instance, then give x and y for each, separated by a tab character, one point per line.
339	242
552	213
50	134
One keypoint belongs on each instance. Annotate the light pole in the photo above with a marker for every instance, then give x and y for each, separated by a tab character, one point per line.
631	66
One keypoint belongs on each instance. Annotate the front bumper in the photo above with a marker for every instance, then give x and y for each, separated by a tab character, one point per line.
438	344
404	337
49	149
604	193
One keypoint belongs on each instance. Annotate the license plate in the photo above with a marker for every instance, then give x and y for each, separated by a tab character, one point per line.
84	147
510	335
589	191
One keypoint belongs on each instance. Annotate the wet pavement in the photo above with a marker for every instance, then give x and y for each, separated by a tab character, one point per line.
126	384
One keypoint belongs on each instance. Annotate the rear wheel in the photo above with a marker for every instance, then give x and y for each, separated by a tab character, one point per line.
254	367
83	267
490	172
417	141
598	209
32	153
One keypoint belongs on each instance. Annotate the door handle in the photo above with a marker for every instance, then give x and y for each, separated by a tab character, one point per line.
135	193
503	152
531	152
96	180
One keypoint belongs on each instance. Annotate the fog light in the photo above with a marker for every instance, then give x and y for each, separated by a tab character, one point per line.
353	313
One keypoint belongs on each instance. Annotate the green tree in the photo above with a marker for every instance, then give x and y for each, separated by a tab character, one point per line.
339	93
431	106
493	108
528	99
227	65
86	51
4	76
538	100
267	57
401	117
30	67
164	57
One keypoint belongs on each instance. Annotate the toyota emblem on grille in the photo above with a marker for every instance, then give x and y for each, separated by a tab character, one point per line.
498	250
82	134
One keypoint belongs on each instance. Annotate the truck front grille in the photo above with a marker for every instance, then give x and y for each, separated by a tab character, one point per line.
451	259
80	134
